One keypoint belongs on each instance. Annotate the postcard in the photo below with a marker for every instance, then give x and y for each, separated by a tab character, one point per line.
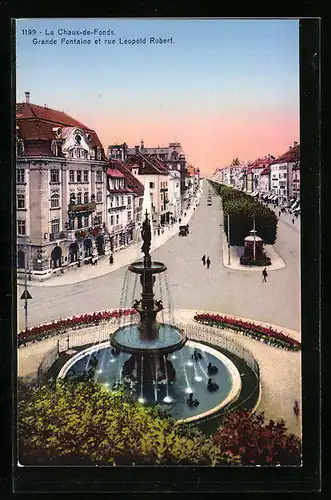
158	220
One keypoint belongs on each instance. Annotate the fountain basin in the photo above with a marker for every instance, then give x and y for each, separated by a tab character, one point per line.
156	267
128	339
191	376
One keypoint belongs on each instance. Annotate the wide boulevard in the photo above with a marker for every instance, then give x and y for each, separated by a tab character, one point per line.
191	285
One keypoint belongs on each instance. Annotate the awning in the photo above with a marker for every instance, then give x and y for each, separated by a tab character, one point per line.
270	197
295	204
292	200
255	193
275	197
297	209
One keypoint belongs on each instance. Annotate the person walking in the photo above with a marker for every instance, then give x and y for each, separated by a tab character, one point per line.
264	275
208	262
293	220
203	260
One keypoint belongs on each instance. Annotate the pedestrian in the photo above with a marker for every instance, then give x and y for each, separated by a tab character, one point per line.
293	220
111	259
203	260
279	213
264	274
208	262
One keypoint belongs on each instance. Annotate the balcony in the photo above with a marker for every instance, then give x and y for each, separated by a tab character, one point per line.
116	228
62	235
79	208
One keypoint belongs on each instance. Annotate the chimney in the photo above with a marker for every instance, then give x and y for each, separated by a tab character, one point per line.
295	143
142	144
137	149
27	97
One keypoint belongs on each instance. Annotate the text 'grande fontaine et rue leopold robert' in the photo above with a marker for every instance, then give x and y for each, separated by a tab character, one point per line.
63	36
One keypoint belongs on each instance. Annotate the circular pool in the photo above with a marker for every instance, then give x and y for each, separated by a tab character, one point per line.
190	364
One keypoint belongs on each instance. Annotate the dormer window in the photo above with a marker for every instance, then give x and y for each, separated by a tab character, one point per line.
98	153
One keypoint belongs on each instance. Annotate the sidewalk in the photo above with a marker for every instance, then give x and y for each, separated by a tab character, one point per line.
236	252
122	257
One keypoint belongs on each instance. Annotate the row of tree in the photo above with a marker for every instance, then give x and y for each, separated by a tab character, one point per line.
243	209
82	423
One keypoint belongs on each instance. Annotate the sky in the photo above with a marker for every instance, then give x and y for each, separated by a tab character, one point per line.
222	88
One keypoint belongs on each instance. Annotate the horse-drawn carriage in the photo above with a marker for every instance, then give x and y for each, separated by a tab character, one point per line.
184	230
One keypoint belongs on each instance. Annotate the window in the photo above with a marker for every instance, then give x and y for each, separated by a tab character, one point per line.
86	197
129	216
79	176
117	200
55	175
55	200
85	175
129	201
86	221
71	176
20	177
98	176
55	226
99	196
79	198
21	227
111	201
117	218
151	185
99	217
79	222
99	154
21	201
111	220
122	201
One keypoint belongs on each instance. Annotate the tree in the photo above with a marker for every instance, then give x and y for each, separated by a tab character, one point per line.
242	208
75	423
257	443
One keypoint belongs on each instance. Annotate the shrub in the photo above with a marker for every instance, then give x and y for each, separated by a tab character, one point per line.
70	423
257	443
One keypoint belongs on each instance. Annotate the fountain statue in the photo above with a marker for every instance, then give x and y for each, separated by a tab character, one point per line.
150	342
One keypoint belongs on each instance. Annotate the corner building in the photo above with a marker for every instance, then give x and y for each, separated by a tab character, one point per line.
60	189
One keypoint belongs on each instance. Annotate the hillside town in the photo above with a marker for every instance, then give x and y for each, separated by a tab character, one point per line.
74	200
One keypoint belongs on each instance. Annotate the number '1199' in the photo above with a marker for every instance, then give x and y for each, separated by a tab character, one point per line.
29	32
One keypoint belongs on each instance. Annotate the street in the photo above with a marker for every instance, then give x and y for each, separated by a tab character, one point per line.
192	286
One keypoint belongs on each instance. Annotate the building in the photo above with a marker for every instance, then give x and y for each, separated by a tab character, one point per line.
265	181
282	174
174	194
119	175
144	167
120	208
295	186
60	188
171	156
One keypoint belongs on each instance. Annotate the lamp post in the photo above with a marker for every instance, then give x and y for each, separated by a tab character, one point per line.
254	242
229	254
26	294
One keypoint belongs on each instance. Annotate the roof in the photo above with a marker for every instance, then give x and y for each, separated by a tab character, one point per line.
266	171
292	155
113	172
36	125
147	165
131	181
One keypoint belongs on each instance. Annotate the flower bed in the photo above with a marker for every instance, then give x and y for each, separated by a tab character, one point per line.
255	331
47	330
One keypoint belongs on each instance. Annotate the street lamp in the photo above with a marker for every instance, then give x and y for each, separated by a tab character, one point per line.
254	242
229	254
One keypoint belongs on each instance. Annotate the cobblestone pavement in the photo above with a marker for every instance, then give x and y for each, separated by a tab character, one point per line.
236	292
